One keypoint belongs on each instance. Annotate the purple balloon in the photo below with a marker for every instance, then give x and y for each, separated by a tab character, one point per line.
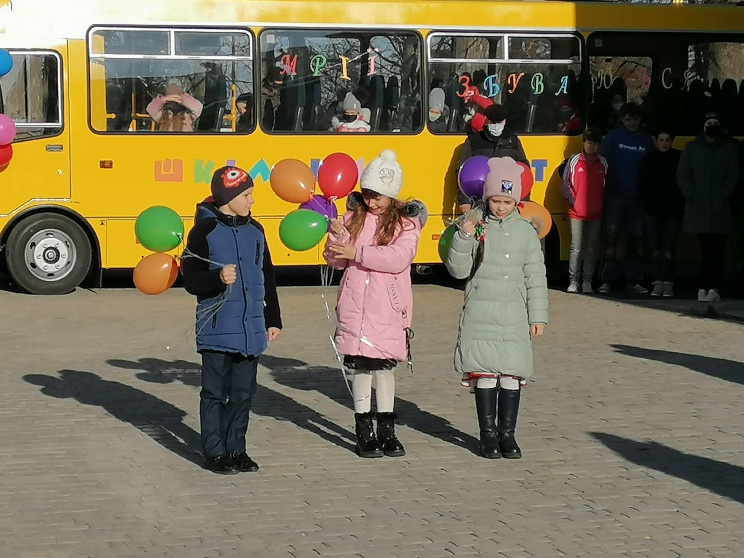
472	176
321	205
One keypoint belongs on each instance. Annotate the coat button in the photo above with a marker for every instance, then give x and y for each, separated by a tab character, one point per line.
506	256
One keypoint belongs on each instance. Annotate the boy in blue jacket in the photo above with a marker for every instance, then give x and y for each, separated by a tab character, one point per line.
228	267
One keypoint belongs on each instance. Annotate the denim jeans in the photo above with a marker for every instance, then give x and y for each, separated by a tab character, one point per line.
624	217
584	240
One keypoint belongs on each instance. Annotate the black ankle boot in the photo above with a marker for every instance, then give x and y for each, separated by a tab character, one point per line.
508	408
485	405
391	446
367	444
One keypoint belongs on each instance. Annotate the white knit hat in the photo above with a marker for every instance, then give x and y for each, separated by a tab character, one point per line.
383	175
436	99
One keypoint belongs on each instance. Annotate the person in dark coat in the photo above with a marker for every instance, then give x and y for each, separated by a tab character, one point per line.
494	140
707	176
227	265
663	206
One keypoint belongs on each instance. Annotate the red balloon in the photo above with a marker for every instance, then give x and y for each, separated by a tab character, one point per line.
337	175
6	154
527	180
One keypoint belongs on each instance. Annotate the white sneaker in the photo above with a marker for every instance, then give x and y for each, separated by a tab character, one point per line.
713	296
702	295
636	288
573	287
658	288
667	289
586	287
604	288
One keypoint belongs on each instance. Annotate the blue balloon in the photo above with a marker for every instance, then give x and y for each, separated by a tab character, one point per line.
6	62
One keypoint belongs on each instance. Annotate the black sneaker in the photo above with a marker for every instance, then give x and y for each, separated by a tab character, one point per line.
243	463
220	464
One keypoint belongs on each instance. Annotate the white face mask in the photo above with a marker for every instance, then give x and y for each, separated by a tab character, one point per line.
434	115
617	106
495	129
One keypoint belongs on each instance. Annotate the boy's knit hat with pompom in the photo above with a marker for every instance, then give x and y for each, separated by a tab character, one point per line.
383	175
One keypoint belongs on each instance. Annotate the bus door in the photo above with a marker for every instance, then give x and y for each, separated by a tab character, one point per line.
31	93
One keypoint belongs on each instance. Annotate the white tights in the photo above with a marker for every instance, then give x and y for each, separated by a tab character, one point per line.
504	382
361	387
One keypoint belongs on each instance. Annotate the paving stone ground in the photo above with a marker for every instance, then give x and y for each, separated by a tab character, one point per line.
631	434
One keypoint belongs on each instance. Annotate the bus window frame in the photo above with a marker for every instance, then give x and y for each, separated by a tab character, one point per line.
60	127
583	63
360	29
172	46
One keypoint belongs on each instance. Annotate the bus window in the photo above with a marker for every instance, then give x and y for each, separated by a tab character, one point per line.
307	76
676	78
30	94
175	80
535	77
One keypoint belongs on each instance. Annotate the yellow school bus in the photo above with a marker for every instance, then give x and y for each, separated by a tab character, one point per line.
270	76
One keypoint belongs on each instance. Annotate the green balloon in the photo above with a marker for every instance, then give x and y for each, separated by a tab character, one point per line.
302	229
445	240
159	229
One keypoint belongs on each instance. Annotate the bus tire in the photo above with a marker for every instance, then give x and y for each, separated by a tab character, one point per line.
48	254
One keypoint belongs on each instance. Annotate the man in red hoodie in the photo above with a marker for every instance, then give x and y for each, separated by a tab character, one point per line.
583	188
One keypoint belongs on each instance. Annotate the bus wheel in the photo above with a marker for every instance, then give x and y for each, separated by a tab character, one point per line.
48	254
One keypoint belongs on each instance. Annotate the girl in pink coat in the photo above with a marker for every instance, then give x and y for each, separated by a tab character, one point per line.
375	243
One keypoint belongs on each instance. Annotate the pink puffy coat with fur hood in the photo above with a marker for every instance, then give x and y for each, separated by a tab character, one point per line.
375	300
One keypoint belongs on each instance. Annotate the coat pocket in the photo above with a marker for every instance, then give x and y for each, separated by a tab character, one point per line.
395	300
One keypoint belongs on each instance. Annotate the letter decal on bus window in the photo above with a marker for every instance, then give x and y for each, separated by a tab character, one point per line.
203	171
372	61
290	65
564	86
468	90
344	73
317	63
663	78
538	85
168	170
539	166
513	81
260	169
492	85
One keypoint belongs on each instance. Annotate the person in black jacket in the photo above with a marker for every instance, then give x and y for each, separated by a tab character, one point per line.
227	265
495	140
663	206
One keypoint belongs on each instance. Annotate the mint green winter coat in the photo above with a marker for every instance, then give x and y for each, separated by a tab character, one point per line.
505	294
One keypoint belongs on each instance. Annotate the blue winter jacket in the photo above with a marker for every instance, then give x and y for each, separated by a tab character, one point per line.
624	152
230	319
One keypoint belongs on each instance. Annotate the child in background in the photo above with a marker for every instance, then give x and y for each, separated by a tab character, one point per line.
506	304
228	267
175	111
663	206
583	188
375	243
355	118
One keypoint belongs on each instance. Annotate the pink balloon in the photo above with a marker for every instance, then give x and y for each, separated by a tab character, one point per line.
7	130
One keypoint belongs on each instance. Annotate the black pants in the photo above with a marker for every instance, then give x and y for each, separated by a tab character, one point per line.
228	385
712	251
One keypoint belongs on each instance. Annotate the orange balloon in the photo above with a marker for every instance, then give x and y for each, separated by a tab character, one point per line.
155	273
292	181
538	216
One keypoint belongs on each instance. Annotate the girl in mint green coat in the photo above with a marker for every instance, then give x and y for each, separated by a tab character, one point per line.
506	305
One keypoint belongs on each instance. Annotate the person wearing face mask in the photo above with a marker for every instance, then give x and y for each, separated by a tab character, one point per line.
707	176
494	140
438	111
353	118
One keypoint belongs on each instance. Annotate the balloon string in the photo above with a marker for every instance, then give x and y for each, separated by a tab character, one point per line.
208	313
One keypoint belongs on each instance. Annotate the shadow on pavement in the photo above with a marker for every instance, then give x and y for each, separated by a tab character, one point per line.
722	368
298	374
718	477
267	402
158	419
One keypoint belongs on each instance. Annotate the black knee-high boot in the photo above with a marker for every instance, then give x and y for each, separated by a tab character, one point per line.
391	446
507	422
367	444
485	405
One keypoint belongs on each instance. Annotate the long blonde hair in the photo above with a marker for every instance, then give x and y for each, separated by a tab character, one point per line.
387	227
175	117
